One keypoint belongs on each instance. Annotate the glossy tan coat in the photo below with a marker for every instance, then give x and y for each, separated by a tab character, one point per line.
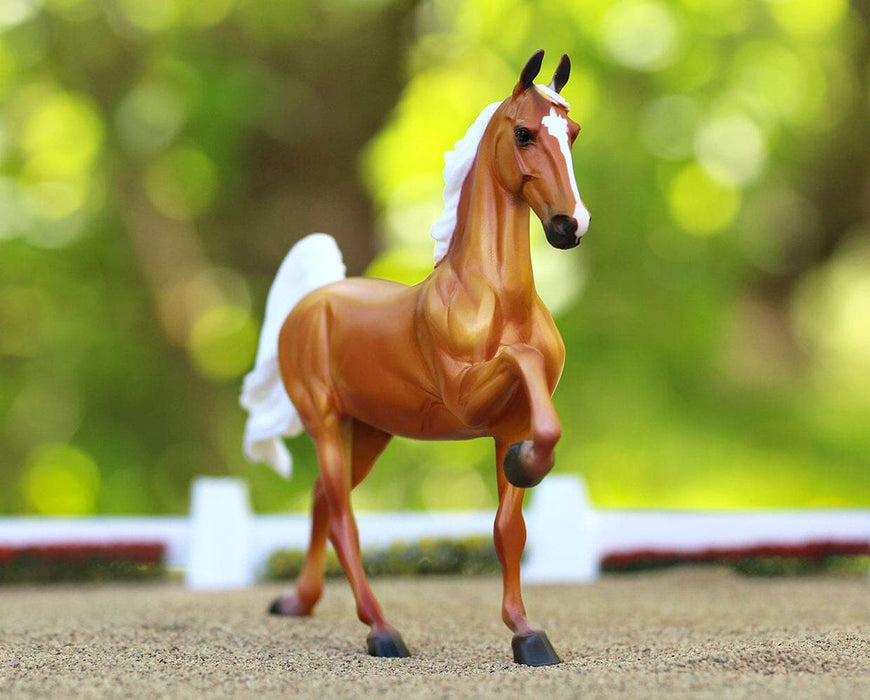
469	352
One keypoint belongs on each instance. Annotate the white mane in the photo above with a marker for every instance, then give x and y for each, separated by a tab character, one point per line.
457	164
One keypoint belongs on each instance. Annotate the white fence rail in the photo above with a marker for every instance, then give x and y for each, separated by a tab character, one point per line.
222	545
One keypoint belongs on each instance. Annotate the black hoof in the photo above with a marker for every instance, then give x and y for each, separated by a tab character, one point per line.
514	470
286	605
534	649
387	644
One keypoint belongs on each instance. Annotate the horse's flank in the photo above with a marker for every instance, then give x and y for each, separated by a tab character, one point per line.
364	352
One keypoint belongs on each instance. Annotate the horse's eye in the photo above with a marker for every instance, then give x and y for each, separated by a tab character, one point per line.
523	136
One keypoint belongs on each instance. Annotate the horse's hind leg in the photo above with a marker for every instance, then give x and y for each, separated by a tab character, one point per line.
530	643
309	584
333	440
368	443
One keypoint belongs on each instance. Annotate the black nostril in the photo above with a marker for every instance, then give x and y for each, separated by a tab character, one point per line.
565	225
561	231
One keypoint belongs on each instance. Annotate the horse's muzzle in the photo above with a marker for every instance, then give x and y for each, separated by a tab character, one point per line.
561	231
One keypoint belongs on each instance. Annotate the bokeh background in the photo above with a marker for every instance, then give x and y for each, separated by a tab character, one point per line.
159	157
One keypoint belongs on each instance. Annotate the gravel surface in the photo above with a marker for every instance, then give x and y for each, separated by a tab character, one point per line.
692	632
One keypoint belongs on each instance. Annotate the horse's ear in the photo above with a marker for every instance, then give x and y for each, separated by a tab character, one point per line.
560	77
530	72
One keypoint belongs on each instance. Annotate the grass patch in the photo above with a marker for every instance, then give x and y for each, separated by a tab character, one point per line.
795	566
471	555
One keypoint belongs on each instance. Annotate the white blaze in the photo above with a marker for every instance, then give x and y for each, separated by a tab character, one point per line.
558	128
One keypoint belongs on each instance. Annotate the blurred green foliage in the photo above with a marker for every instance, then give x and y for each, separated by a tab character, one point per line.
468	556
89	562
157	159
758	567
794	566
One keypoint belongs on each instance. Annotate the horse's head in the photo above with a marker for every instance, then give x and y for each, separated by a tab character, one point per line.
533	153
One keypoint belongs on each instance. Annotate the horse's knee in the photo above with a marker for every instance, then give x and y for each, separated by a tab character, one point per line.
546	436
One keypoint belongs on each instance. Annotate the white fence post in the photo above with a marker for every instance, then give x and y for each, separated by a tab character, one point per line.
220	535
562	531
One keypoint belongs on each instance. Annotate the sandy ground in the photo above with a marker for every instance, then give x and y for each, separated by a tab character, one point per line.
680	633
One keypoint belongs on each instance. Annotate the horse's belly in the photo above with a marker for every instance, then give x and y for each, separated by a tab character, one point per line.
384	382
423	419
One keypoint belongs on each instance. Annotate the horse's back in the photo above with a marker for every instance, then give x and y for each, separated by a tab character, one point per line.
361	304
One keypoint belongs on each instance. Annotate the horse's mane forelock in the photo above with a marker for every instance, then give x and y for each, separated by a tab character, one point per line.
457	164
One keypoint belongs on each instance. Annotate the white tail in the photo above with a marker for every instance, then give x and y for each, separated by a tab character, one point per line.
312	263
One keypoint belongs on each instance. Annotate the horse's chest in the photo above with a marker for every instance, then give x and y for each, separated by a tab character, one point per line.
472	329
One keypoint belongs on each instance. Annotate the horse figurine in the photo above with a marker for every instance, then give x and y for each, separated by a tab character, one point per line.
469	352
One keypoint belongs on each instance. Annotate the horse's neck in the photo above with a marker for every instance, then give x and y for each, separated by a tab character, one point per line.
491	242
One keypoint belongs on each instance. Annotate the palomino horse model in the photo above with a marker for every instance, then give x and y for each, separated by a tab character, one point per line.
469	352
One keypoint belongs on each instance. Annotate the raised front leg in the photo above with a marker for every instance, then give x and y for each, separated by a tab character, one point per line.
530	643
486	389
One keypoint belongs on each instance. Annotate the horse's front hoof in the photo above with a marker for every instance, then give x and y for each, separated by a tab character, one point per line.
534	649
516	470
288	605
388	644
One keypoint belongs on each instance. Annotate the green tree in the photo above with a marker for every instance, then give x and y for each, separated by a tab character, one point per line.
157	160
